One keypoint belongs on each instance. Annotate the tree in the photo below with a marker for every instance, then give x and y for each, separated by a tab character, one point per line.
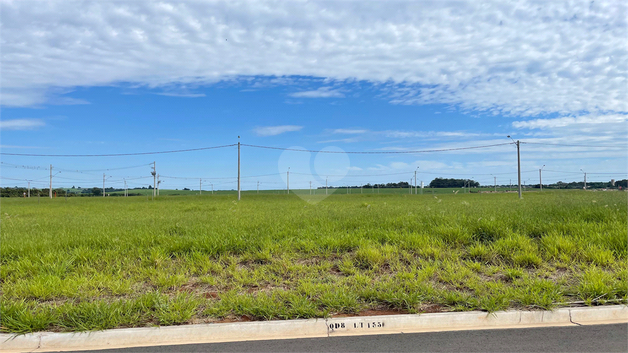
453	183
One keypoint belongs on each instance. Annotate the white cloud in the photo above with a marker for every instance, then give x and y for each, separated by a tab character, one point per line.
347	140
428	134
349	131
182	95
354	168
399	165
323	92
568	121
518	58
56	100
275	130
21	124
568	137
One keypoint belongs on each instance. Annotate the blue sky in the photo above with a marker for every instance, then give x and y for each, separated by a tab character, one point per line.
120	77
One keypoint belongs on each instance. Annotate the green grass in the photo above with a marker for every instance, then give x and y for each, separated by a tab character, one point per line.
338	191
97	263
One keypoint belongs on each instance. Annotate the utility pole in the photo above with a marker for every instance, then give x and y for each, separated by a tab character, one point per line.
158	182
326	185
212	189
519	166
585	179
258	186
415	190
540	178
310	187
29	189
126	192
495	181
518	143
103	184
154	173
50	187
200	186
238	168
288	180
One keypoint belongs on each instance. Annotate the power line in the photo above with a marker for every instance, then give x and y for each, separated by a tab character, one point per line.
571	145
114	154
100	170
380	152
295	150
24	166
565	172
340	175
192	178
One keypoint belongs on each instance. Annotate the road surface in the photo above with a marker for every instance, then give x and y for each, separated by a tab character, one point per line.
595	338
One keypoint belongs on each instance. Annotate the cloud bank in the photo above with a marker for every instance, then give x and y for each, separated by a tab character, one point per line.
517	58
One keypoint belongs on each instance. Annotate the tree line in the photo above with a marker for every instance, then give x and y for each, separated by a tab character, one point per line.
62	192
436	183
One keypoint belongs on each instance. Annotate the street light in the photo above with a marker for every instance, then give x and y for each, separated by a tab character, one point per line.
540	178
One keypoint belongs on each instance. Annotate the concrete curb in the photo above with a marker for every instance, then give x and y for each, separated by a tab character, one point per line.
345	326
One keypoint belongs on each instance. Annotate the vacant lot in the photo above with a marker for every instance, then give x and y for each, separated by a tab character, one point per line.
94	263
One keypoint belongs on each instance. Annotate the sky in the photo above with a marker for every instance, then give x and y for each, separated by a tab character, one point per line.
118	77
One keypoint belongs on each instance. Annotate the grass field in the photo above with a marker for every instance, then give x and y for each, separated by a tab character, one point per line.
97	263
339	191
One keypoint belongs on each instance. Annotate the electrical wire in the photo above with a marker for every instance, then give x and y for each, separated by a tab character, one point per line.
572	145
86	171
115	154
380	152
23	166
340	175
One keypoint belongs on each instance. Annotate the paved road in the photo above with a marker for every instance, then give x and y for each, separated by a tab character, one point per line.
602	338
